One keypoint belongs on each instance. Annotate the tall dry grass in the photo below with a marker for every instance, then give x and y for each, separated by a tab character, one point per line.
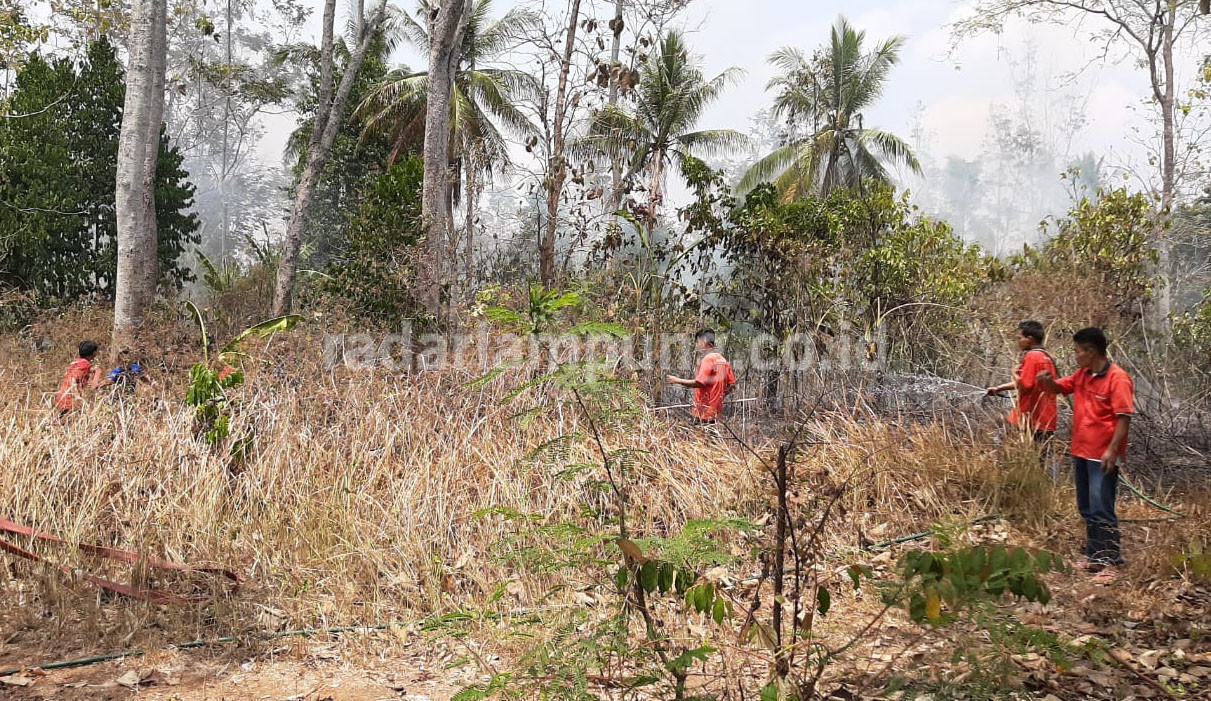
358	503
360	500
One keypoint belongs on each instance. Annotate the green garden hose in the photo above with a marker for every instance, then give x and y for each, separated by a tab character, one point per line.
301	632
1149	500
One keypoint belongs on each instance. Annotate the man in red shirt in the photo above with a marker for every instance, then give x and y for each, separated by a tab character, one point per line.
78	376
1035	411
1103	401
712	381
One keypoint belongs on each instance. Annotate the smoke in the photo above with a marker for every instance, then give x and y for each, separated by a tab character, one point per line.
1026	171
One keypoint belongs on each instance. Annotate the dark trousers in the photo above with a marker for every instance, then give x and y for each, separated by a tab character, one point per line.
1048	458
1095	494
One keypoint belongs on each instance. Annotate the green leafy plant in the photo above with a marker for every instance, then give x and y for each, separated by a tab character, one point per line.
544	310
655	582
219	278
1108	237
209	382
961	578
1194	561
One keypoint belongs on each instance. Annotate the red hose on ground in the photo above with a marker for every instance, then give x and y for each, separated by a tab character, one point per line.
126	556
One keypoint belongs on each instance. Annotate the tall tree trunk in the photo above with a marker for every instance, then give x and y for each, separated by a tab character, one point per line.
226	223
328	121
445	38
471	183
557	170
1163	304
138	150
616	26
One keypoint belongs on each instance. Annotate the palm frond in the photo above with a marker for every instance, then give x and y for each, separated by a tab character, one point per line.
713	142
772	166
613	133
501	35
409	29
493	91
891	147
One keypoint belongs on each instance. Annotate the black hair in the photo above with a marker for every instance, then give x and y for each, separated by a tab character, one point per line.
88	349
1093	338
707	335
1032	329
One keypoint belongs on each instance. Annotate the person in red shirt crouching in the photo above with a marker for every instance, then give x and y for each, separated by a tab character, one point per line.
712	381
1103	401
80	376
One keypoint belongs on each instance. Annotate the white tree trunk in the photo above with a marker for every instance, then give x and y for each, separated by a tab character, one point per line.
557	171
616	26
328	121
472	185
1162	304
134	193
445	39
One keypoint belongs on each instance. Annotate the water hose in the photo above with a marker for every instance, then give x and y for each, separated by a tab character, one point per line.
1149	500
301	632
925	534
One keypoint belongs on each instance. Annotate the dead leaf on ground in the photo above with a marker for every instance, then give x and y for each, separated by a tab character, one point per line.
1122	655
16	680
1150	658
130	679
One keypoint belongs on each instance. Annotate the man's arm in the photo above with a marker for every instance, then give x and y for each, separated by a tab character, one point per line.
997	389
1122	402
1010	386
1111	456
692	384
1047	382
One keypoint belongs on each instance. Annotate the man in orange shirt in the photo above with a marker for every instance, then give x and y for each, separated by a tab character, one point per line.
79	375
1035	412
1103	401
712	381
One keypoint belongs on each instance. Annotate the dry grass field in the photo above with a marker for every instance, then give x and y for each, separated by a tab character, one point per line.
372	498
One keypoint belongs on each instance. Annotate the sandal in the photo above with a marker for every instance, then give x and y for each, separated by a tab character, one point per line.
1084	564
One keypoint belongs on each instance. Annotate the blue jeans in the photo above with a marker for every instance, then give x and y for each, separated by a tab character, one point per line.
1095	493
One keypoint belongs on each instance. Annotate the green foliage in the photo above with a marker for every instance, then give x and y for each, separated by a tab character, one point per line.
483	96
57	174
1107	239
372	275
354	165
661	130
208	395
209	385
647	574
219	278
18	34
542	310
962	578
857	254
1194	561
1192	329
546	311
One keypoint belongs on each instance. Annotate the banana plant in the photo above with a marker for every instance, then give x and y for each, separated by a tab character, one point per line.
208	386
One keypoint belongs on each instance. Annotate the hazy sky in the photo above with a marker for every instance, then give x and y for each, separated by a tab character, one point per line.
952	91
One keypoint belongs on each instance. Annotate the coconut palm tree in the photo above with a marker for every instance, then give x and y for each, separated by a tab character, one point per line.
825	95
484	97
658	129
483	101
